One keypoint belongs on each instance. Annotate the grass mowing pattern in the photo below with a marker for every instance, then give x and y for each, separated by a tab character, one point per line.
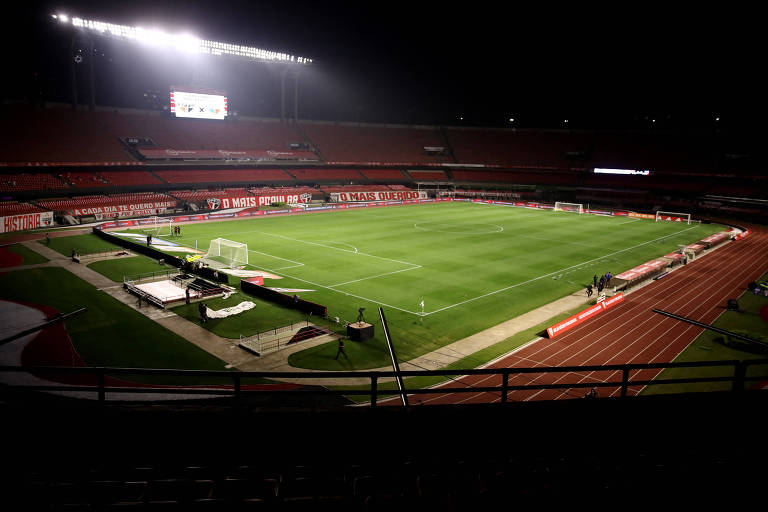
109	333
83	244
29	256
118	268
474	265
708	347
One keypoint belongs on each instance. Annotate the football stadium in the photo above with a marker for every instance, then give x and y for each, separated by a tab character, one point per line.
229	283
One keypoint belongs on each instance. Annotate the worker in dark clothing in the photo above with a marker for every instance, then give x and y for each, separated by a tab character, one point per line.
203	312
594	281
187	295
589	290
341	349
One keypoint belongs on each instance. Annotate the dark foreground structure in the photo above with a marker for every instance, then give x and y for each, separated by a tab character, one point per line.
84	456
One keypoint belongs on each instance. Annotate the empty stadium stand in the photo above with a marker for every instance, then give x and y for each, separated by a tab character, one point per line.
383	174
15	208
317	175
218	176
101	201
513	148
88	151
26	182
369	143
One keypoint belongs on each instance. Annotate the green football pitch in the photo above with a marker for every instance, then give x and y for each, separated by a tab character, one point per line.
473	265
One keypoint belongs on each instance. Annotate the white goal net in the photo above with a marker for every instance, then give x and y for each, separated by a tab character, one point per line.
158	226
673	217
568	207
224	253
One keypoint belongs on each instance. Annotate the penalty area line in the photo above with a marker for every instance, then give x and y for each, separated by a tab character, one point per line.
378	275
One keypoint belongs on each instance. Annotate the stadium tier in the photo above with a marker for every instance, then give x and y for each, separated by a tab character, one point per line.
58	135
202	195
353	188
383	174
314	175
269	191
517	148
368	143
22	182
15	208
86	202
659	152
428	175
224	176
129	178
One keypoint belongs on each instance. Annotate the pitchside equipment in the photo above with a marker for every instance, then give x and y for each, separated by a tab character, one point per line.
673	217
223	253
158	226
568	207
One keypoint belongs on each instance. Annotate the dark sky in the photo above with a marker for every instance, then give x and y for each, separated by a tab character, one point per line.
484	61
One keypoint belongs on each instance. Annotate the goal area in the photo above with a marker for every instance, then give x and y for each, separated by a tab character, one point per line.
673	217
223	253
158	226
568	207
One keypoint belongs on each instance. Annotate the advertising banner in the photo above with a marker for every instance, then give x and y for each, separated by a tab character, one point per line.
224	203
124	210
383	195
26	221
584	315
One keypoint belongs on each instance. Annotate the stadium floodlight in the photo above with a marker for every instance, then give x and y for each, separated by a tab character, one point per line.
181	42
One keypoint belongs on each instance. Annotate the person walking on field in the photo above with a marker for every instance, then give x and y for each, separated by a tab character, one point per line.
589	290
594	281
341	349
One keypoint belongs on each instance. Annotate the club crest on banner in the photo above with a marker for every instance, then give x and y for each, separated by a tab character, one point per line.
214	204
306	198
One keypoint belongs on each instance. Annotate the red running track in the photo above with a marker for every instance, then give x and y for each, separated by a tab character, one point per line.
629	332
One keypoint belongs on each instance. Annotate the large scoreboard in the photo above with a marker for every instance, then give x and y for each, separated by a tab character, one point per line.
198	105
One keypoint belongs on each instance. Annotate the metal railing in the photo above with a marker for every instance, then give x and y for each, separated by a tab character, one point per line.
737	379
261	346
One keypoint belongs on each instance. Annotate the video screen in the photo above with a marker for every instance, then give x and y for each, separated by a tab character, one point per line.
198	106
634	172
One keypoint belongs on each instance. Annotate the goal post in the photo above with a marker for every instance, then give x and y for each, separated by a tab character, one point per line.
158	226
568	207
673	217
224	253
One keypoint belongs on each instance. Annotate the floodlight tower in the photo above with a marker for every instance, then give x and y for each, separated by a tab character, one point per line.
179	42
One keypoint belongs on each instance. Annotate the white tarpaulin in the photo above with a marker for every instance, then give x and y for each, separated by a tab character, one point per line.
234	310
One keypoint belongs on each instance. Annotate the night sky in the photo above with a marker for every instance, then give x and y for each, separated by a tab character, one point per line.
431	62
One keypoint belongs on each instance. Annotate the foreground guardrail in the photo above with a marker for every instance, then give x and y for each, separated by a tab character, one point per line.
737	378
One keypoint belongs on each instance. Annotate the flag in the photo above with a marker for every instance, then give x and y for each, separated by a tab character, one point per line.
422	304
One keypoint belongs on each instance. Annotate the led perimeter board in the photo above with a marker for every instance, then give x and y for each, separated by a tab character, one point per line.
198	106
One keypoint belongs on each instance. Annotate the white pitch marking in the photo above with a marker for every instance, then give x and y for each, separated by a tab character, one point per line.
552	273
374	277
